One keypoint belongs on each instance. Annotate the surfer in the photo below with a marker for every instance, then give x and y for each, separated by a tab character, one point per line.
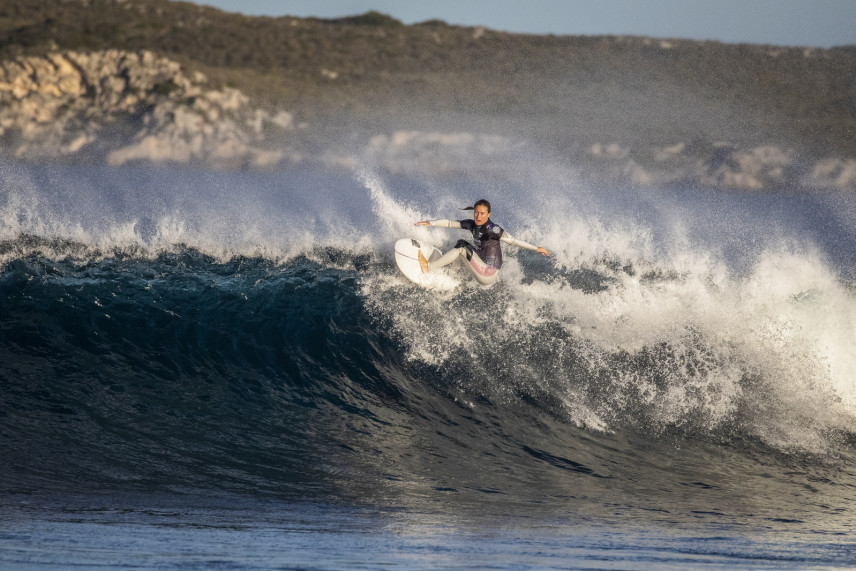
484	255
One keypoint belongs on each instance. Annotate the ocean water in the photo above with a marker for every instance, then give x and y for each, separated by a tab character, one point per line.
206	369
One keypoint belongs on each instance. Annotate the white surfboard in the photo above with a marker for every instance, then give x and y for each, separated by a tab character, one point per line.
406	258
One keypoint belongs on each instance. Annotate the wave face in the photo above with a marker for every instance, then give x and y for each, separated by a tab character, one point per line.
681	354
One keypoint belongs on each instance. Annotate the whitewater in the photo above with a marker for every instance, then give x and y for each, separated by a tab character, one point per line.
206	367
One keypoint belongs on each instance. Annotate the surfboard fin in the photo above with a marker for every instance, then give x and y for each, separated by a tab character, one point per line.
423	263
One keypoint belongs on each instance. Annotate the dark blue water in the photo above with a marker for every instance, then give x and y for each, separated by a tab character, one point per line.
215	369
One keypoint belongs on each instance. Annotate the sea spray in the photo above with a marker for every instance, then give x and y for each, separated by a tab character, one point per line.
671	337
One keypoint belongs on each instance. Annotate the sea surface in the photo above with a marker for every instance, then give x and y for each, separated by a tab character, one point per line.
207	369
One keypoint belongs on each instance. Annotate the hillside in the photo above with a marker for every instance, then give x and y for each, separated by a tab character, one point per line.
643	110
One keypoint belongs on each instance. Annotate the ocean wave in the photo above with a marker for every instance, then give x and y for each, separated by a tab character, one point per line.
264	341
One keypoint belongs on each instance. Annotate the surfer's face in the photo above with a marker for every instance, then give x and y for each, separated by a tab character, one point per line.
481	214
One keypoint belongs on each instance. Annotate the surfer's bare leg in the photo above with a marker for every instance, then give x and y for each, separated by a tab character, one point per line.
445	259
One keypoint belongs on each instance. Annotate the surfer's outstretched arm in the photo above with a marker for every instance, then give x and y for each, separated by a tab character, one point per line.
509	239
440	223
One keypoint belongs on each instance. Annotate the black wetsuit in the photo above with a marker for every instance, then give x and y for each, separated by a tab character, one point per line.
486	240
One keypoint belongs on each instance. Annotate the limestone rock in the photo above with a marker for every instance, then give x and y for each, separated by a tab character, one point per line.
751	169
118	106
833	174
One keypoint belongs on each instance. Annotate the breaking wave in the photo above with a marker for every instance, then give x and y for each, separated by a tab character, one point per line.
181	328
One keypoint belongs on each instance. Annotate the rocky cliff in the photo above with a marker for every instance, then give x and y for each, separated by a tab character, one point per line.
120	107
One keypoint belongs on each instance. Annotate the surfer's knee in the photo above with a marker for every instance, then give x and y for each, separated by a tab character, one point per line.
487	280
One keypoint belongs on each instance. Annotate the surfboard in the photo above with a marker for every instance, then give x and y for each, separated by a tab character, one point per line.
406	258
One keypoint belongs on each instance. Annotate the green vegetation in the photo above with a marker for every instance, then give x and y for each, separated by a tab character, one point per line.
371	69
371	18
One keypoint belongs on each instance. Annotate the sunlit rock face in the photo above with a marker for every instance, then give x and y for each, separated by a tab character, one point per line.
119	107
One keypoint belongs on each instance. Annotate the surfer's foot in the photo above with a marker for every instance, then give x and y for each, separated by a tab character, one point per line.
423	263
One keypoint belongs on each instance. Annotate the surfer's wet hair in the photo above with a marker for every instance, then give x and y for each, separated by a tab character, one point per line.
479	202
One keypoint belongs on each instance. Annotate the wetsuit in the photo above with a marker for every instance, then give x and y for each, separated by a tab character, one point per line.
484	255
486	241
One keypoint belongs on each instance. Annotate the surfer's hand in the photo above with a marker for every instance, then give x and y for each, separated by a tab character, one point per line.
543	251
423	223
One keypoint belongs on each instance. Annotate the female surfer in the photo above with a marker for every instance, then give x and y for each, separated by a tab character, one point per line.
484	256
